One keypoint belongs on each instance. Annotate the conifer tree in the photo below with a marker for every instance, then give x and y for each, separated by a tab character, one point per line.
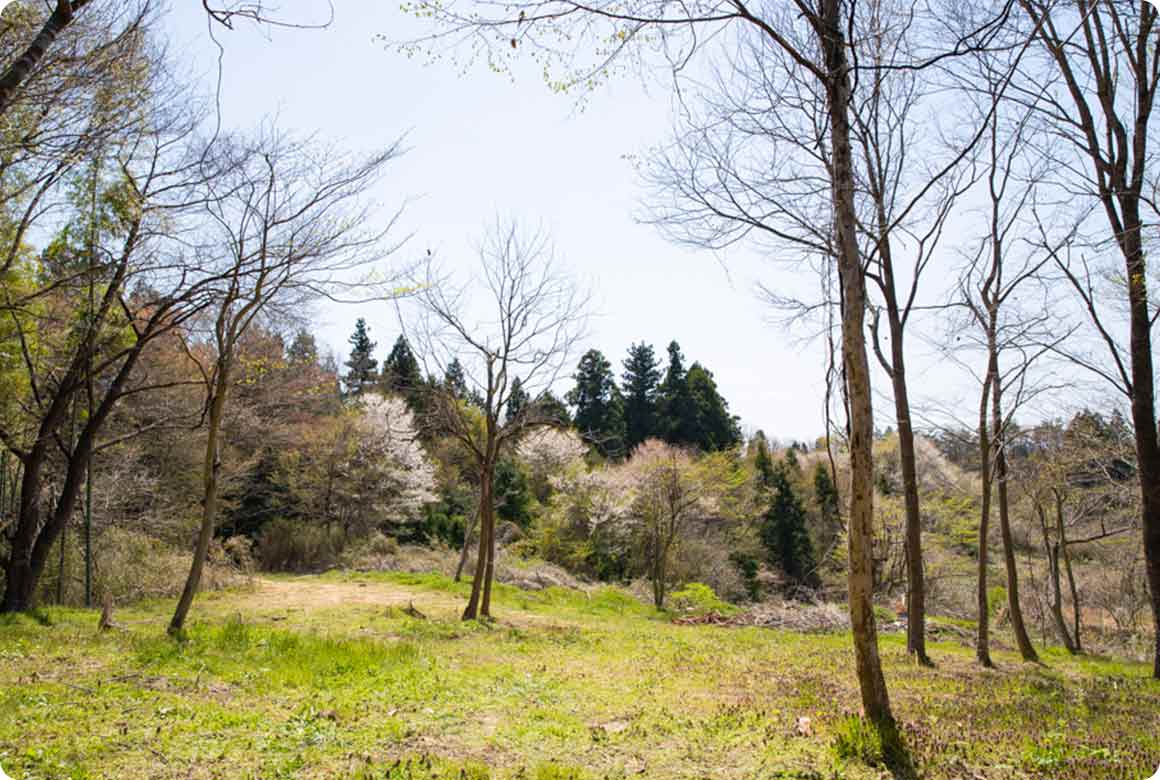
711	427
599	407
784	532
762	462
456	381
829	507
676	411
362	366
518	399
401	374
641	379
303	351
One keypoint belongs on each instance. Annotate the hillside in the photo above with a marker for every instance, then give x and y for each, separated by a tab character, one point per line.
373	676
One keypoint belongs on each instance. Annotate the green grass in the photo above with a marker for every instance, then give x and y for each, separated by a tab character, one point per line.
563	686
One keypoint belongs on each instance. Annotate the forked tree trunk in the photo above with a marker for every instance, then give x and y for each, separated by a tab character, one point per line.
1076	615
486	512
875	699
1052	551
1014	608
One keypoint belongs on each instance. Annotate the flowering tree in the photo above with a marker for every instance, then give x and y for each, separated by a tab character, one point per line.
400	476
549	452
669	489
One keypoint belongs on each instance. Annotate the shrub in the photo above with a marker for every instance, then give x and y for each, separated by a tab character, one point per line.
696	598
290	545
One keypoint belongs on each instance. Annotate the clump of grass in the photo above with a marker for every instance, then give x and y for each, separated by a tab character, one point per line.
857	739
423	768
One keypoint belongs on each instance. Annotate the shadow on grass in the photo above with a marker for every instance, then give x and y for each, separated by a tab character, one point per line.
876	745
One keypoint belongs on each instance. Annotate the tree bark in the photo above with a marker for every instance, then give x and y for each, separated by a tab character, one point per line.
211	469
1026	649
915	581
1144	405
1077	619
486	512
875	699
18	71
982	638
1052	550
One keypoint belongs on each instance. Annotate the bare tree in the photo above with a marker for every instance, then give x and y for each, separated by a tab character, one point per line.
1096	89
527	323
1003	329
287	224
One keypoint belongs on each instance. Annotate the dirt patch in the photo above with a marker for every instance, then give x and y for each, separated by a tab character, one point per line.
310	594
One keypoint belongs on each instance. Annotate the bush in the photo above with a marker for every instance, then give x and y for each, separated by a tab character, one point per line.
996	599
696	598
291	545
131	566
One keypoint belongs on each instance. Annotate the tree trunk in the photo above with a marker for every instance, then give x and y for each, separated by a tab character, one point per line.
489	569
1077	621
915	581
486	511
1026	649
1144	405
875	699
59	19
466	546
983	639
1052	550
211	469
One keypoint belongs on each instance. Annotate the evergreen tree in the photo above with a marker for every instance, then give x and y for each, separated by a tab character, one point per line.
599	408
829	508
518	398
401	374
791	462
512	494
260	496
711	427
362	366
303	350
553	408
641	379
676	410
762	462
455	380
784	532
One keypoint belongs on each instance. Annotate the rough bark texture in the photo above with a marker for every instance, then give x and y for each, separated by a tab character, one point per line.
875	700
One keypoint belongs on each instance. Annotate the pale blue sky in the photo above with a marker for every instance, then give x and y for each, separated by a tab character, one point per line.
479	146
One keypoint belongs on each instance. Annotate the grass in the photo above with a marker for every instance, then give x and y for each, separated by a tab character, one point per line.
329	677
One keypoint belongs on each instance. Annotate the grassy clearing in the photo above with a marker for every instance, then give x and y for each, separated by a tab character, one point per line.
328	677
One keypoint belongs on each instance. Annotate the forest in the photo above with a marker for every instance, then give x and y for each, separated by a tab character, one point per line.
485	543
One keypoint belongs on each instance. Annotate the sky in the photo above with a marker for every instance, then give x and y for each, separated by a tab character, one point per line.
481	146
